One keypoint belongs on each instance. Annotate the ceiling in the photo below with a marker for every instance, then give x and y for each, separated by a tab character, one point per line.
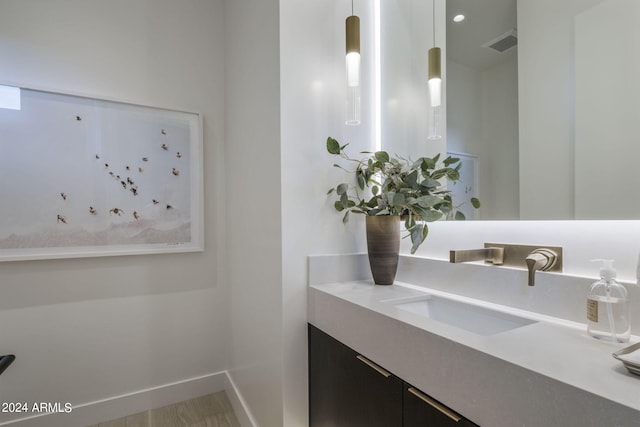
485	20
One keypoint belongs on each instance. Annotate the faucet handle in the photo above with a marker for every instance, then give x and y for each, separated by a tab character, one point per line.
542	259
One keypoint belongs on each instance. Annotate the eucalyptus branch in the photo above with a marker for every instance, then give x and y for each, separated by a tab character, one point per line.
399	186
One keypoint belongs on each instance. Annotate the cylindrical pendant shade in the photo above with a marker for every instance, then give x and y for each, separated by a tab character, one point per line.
434	63
353	70
435	95
353	34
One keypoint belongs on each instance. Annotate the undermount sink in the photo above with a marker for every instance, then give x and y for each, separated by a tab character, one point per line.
472	318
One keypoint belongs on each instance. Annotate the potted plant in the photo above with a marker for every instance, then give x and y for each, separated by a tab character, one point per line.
390	189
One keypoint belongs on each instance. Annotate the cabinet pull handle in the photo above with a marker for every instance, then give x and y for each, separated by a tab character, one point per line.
426	399
373	366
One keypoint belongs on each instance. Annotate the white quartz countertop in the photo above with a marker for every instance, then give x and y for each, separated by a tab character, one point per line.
553	348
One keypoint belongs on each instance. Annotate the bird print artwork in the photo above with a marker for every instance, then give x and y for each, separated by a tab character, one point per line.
111	174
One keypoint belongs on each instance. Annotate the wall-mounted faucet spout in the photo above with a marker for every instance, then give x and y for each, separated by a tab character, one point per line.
492	255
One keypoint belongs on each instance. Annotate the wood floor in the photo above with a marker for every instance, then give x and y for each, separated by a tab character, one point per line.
213	410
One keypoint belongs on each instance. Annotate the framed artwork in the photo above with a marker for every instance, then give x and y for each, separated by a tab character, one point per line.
84	177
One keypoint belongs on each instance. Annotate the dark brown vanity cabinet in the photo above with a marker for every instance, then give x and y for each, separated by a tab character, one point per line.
421	410
348	390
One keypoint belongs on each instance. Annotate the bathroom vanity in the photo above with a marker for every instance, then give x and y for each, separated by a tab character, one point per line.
346	388
489	364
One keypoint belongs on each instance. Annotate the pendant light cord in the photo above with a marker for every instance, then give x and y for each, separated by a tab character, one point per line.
351	7
434	21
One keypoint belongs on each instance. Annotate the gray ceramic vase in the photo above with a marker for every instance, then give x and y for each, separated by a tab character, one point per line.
383	245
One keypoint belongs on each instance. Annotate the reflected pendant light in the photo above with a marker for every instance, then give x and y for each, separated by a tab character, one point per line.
353	68
435	87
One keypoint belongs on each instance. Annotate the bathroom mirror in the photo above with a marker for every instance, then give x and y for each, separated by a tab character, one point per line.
548	128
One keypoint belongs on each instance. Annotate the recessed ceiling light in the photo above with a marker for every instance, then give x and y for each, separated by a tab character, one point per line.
458	18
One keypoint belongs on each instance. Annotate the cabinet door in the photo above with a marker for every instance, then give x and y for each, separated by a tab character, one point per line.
348	390
421	410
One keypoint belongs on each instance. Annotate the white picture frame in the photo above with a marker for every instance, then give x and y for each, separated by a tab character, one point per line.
87	177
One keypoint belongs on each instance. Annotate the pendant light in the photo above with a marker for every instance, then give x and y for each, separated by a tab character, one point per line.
353	68
435	87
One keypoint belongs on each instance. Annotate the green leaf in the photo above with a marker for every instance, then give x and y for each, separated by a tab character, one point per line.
345	218
427	165
399	199
391	195
428	201
437	174
430	183
475	202
375	189
342	189
450	160
412	179
333	147
430	215
382	156
338	205
453	175
361	180
331	190
460	216
418	234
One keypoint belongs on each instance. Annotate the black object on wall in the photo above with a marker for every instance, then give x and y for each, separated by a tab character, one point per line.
5	361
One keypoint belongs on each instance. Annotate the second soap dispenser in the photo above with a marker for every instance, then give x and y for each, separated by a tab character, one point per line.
608	307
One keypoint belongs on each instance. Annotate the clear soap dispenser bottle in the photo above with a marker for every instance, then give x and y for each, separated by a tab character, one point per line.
608	307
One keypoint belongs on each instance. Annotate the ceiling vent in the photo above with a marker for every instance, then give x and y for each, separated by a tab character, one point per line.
503	42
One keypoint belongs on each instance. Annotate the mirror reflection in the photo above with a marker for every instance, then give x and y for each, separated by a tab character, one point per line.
542	105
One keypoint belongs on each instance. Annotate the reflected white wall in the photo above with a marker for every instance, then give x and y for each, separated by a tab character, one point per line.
406	37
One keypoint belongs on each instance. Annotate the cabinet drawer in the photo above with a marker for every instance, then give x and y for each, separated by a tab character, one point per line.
421	410
347	389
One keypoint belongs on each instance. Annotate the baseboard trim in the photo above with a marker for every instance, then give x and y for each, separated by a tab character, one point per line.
141	400
239	405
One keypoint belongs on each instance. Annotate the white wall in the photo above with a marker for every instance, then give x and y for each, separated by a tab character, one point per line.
607	65
482	120
546	91
464	105
498	152
253	204
313	94
90	329
406	36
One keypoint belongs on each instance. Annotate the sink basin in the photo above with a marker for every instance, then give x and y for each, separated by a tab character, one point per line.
472	318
